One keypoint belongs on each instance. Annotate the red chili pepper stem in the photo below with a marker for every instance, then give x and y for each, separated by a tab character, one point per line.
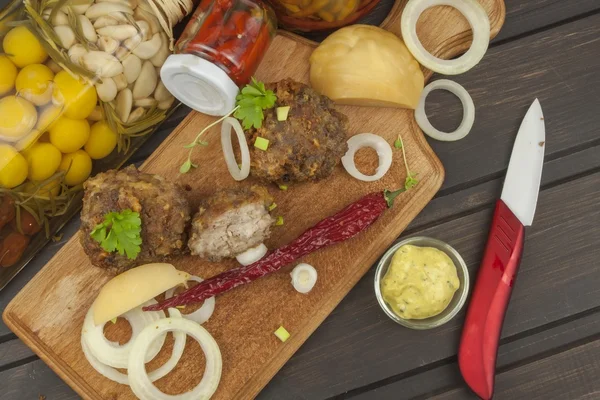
390	196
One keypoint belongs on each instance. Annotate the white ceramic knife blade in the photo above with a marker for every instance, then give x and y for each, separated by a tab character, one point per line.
522	182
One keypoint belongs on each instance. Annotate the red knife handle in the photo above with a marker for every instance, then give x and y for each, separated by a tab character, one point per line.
483	325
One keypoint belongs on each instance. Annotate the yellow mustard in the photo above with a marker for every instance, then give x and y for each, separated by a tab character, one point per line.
420	282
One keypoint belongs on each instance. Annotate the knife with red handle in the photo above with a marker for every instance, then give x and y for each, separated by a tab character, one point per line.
502	256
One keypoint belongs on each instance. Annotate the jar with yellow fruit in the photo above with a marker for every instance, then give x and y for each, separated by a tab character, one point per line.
80	90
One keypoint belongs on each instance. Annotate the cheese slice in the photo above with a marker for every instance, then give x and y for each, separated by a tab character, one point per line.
133	288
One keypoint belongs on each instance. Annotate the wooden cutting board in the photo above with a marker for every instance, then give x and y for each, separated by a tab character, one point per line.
48	313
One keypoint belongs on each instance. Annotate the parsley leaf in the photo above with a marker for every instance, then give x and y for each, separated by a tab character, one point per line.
121	232
253	99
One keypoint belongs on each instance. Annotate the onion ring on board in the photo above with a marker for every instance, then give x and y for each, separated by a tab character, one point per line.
141	384
238	173
377	143
468	111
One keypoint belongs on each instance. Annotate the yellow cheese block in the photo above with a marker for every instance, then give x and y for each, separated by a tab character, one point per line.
365	65
135	287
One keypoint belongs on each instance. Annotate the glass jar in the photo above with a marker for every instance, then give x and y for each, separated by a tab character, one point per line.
218	52
320	15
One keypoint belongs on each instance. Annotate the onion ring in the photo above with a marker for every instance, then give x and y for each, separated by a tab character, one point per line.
468	111
238	173
139	380
202	314
112	353
252	255
475	15
377	143
116	376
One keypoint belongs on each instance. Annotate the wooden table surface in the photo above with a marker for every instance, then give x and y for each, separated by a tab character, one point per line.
550	347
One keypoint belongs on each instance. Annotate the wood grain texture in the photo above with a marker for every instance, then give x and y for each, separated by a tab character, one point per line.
540	343
579	367
251	354
557	278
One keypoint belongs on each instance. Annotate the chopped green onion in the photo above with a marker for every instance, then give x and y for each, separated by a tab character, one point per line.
282	113
282	334
273	206
279	221
261	143
114	320
283	187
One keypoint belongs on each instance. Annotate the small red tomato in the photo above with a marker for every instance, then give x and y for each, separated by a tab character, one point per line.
13	246
7	210
29	224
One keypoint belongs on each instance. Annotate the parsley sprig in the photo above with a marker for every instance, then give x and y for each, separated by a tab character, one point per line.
411	180
121	232
250	103
253	99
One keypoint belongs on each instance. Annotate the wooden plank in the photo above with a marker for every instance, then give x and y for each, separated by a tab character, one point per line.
503	86
358	345
447	205
571	374
526	16
33	380
12	352
547	340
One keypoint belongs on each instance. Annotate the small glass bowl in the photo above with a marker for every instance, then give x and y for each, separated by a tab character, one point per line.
455	304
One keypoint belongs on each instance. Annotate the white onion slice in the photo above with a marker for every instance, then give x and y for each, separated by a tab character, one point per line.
304	277
238	173
252	255
141	384
112	353
377	143
202	314
475	15
114	375
468	111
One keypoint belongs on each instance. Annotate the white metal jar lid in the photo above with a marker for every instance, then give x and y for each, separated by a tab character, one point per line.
199	84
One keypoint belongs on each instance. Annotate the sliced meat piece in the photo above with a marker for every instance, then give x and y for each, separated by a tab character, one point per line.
230	222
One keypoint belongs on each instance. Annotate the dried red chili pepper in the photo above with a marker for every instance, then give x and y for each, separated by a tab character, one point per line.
343	225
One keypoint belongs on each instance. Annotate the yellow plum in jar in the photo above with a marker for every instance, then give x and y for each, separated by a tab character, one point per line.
23	48
79	99
102	140
69	135
13	167
43	160
17	118
8	75
78	167
34	83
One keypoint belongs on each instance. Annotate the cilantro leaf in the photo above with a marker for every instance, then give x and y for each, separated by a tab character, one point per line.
252	100
121	232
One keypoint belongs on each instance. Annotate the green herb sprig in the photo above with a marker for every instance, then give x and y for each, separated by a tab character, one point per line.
250	103
411	180
253	99
121	232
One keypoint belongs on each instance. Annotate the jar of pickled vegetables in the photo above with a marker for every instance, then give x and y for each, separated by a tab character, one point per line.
320	15
218	52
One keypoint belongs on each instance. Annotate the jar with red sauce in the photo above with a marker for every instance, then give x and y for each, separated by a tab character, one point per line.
218	52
